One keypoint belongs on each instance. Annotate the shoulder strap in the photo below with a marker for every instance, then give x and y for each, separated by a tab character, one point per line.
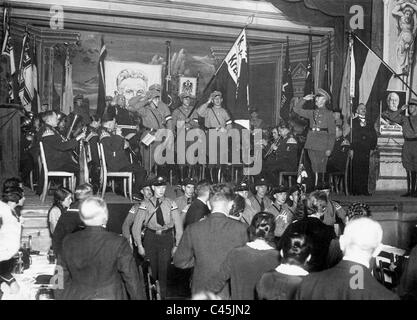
153	213
217	119
156	118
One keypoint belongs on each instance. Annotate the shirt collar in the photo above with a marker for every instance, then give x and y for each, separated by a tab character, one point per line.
356	260
259	244
291	270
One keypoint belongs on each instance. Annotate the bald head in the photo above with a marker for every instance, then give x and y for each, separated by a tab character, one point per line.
362	236
93	211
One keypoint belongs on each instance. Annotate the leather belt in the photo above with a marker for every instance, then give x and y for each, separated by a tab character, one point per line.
160	232
410	139
319	129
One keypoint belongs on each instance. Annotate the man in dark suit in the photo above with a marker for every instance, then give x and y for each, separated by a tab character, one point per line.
98	264
205	244
198	208
351	279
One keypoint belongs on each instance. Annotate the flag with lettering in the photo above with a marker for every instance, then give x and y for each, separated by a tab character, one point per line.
309	80
101	99
26	74
287	90
8	50
232	79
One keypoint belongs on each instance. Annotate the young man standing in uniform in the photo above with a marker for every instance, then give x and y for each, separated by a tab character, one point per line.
259	202
280	210
322	133
409	154
163	231
183	202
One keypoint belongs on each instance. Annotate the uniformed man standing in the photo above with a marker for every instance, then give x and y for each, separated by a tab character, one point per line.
257	203
155	115
114	146
215	117
280	210
183	202
184	119
322	133
409	153
282	153
163	231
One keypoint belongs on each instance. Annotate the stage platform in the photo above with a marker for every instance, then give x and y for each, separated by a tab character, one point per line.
397	215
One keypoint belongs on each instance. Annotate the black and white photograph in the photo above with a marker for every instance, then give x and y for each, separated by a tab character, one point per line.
174	151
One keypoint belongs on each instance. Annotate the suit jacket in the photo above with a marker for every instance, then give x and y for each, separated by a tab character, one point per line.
195	212
98	264
205	245
348	280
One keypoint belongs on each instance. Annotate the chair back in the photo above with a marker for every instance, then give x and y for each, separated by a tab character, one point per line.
102	157
43	158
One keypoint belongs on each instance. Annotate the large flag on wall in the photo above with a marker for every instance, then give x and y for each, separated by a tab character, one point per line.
68	96
28	76
371	78
309	81
287	91
232	79
8	50
101	99
327	80
347	88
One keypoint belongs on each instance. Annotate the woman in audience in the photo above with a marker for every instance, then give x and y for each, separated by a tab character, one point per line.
244	266
62	201
282	282
10	233
237	208
313	226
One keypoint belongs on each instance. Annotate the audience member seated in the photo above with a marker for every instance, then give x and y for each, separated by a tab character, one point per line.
312	226
70	221
283	282
351	279
97	264
244	266
62	201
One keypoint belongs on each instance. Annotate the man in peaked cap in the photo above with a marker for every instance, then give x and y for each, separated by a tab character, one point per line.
184	201
258	202
216	117
409	152
160	217
279	208
322	131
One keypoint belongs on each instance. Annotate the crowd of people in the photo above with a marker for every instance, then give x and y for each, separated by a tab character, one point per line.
239	241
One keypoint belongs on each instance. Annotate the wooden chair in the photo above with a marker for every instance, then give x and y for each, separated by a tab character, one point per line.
105	174
336	178
46	174
291	174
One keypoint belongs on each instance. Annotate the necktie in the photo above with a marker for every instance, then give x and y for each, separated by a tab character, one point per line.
189	201
159	214
262	205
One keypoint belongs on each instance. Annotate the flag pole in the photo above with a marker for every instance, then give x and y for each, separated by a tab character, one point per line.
384	63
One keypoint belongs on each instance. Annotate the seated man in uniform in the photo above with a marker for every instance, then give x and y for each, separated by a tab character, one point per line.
58	150
114	146
338	157
163	231
282	153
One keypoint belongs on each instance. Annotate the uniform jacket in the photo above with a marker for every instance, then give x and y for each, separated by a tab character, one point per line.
99	265
93	138
205	245
283	217
181	114
146	216
214	117
152	118
336	283
113	145
285	157
57	151
319	118
253	207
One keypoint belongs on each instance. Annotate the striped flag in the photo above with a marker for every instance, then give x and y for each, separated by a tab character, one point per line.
101	99
309	82
372	76
287	91
36	103
8	50
348	85
68	96
25	74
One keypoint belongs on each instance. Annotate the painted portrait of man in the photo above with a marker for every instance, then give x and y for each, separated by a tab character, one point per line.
131	83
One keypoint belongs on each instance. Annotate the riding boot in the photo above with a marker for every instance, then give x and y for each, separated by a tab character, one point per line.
408	194
413	190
